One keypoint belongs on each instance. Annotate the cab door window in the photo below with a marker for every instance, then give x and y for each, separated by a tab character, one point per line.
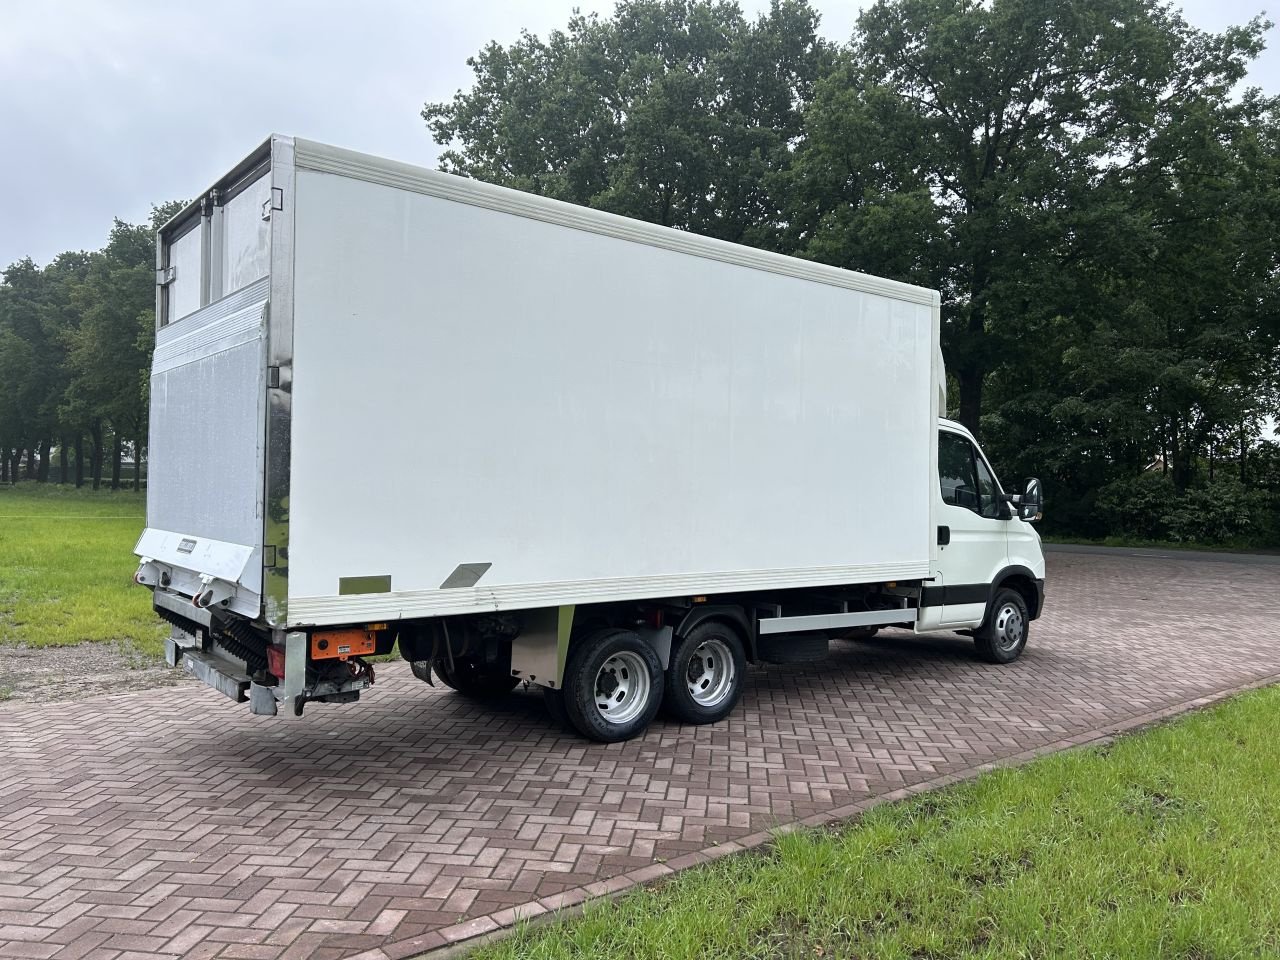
964	477
988	491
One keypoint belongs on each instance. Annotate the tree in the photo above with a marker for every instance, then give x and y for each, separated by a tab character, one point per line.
1164	357
75	345
679	112
17	358
61	319
979	139
110	351
32	352
1190	338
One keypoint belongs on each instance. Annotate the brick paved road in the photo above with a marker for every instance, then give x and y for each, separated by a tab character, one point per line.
172	823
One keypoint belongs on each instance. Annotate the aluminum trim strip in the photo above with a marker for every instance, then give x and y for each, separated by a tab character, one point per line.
824	621
214	336
326	159
231	179
279	398
309	611
213	312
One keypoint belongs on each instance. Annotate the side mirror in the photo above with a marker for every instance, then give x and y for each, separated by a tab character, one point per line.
1031	501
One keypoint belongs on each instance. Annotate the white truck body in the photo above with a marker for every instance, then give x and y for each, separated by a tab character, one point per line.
382	394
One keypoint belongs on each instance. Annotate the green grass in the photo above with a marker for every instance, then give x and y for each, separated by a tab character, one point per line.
1164	845
66	569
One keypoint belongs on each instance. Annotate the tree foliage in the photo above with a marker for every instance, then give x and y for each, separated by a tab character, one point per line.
674	111
1002	128
75	345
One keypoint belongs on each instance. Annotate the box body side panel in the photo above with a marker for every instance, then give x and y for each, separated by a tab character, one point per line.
591	417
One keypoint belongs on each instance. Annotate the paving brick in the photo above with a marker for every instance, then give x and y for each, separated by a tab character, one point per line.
173	823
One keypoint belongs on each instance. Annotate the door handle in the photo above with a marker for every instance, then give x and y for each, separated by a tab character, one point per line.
944	536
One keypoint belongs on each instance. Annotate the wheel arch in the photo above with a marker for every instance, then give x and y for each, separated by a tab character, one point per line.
730	614
1019	578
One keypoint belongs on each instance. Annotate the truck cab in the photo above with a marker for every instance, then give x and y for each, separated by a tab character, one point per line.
988	576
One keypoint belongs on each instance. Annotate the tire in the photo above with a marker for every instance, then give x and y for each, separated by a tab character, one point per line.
475	679
705	676
554	702
612	685
1003	636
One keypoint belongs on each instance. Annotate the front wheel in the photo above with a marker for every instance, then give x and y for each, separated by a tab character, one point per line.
1003	637
704	678
612	685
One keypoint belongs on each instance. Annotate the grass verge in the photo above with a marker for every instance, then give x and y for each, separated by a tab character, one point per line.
1165	844
66	569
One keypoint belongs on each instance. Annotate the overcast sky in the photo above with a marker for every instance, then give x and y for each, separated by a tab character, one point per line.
109	106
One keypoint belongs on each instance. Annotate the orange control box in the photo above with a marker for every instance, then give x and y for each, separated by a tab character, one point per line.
340	644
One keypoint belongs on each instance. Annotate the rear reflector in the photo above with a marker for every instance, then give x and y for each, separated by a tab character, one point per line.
275	661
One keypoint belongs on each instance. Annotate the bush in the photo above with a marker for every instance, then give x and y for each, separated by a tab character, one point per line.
1222	511
1138	507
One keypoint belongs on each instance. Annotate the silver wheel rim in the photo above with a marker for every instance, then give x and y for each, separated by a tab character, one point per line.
711	673
622	687
1009	627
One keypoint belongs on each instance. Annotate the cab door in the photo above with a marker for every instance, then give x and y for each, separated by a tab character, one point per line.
973	543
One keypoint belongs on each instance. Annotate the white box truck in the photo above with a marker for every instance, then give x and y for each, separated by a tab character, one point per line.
529	442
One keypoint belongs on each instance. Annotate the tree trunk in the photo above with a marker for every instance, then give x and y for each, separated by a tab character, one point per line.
1181	453
79	460
970	399
30	453
46	451
62	460
137	464
4	462
116	451
1243	449
95	435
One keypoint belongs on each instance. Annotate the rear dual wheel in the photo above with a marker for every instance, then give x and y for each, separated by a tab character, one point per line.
614	682
704	678
612	685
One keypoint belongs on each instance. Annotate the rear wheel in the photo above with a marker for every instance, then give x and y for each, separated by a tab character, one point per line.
704	678
612	685
1003	637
